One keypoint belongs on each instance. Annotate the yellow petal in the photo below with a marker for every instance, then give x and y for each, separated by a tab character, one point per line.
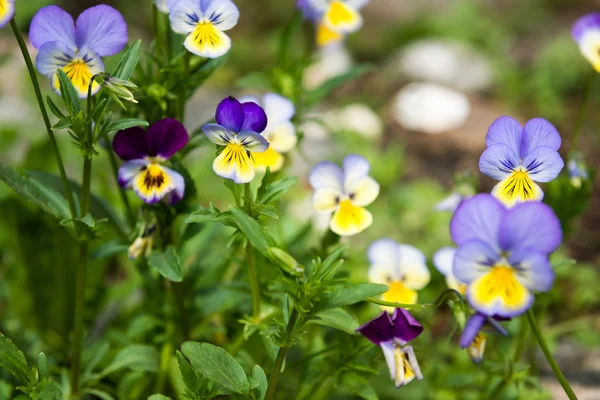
152	183
326	36
517	188
268	158
80	75
399	293
349	219
341	18
499	292
207	41
233	163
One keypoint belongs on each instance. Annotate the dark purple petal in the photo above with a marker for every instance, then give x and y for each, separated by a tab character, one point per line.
230	114
102	29
131	144
477	218
51	24
406	327
166	137
588	22
505	130
539	132
255	118
532	226
379	329
472	328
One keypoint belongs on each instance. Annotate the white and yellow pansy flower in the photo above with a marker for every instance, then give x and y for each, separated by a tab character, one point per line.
443	260
400	266
7	10
340	16
344	192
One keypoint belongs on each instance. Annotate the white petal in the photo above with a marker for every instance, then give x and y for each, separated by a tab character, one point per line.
129	170
413	267
383	273
282	137
384	252
363	191
326	175
223	14
184	15
325	200
278	108
443	259
355	167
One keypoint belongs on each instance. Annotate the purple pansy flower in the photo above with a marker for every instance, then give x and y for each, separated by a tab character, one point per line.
518	156
145	153
474	340
204	21
392	334
7	11
76	47
238	128
503	253
586	32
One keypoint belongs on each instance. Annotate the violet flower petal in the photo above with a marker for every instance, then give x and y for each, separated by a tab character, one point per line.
166	137
131	144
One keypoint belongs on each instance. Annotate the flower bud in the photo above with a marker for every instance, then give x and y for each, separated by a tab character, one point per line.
285	261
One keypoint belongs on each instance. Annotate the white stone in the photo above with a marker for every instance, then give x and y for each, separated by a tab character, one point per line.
358	118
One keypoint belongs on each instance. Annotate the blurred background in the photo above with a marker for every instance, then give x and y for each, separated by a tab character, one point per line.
439	73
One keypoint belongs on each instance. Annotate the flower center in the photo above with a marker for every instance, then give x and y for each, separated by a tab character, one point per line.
80	75
154	177
500	284
206	35
518	186
339	13
399	293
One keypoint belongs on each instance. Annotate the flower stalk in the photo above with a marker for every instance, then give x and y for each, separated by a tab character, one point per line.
289	340
449	294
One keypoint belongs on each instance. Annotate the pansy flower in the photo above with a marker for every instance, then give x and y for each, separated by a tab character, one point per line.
340	16
280	131
474	340
443	260
145	155
586	32
503	253
400	266
204	21
520	156
162	6
345	192
7	10
238	129
392	333
76	47
577	169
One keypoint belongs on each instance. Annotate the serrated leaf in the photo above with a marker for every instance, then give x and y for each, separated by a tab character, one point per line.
348	293
46	390
135	357
167	264
217	365
68	92
13	360
259	374
337	318
126	123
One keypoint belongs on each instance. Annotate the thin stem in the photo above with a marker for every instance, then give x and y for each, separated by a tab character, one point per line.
115	172
521	340
78	318
253	282
443	298
540	339
276	371
179	293
498	389
38	95
183	89
581	113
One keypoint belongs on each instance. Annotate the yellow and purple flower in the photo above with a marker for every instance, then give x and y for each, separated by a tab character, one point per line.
204	21
392	333
7	11
280	131
345	192
145	154
443	259
474	340
586	32
334	19
238	129
76	47
578	172
400	266
520	156
503	253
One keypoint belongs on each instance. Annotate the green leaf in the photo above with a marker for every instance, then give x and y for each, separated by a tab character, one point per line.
36	192
43	367
13	360
68	92
346	294
259	374
359	386
167	264
252	230
100	394
108	250
286	42
317	95
62	123
54	108
268	210
158	397
256	80
275	190
46	390
129	61
135	357
201	73
188	374
338	319
126	123
217	365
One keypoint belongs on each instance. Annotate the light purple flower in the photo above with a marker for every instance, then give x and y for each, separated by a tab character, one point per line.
145	154
518	156
7	11
586	32
238	129
503	253
76	47
392	334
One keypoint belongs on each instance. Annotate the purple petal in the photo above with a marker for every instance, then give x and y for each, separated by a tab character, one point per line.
379	329
534	269
102	29
406	327
472	328
477	218
586	23
498	161
53	56
539	132
166	137
543	164
530	225
50	24
255	118
230	114
223	14
253	141
472	260
505	130
384	251
176	194
326	175
131	144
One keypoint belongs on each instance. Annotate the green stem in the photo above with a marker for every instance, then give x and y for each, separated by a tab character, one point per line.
289	340
443	298
581	114
115	171
179	293
78	319
253	282
38	95
498	389
521	340
540	339
183	89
